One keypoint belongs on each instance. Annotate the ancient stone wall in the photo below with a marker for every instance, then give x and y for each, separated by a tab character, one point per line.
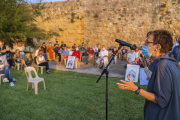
102	21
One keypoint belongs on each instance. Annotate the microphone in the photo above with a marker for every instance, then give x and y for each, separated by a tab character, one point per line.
131	46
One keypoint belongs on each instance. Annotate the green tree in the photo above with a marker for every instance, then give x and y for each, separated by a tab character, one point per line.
17	19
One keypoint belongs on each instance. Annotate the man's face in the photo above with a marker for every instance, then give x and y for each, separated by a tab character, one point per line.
43	45
150	43
90	47
114	49
124	47
178	39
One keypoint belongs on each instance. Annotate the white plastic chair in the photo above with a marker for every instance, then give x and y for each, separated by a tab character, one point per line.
41	69
1	76
17	65
32	80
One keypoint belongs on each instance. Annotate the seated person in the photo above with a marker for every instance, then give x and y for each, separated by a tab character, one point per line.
96	50
176	51
123	53
64	54
59	53
36	54
77	54
83	50
114	52
89	51
74	47
18	58
132	58
111	48
102	55
41	61
4	69
9	59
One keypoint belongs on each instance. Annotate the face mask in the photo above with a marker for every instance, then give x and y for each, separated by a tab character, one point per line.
103	48
0	43
136	50
77	49
132	50
40	53
145	52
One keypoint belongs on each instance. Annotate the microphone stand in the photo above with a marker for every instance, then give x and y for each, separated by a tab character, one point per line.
105	71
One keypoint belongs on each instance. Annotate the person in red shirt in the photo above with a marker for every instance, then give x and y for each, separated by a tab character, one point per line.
89	51
76	53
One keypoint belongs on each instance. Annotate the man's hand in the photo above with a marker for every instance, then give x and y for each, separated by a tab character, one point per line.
127	85
179	63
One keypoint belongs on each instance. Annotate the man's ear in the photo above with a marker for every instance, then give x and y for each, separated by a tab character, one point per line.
158	47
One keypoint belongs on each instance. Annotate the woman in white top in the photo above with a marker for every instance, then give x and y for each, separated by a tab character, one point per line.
21	49
36	54
42	62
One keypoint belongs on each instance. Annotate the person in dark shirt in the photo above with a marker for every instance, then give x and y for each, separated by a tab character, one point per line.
123	53
74	47
63	45
56	49
90	51
83	50
176	52
44	48
9	59
163	91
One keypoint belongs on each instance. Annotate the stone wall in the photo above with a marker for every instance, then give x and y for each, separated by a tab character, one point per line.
102	21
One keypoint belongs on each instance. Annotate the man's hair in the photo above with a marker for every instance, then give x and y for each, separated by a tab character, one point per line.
56	41
164	38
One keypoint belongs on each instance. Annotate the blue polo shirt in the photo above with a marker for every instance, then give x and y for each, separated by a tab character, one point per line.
176	53
66	52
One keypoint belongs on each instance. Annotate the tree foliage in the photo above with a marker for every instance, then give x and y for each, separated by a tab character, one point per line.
17	19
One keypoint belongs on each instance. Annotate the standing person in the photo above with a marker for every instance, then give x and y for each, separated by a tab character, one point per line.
3	50
64	55
9	59
42	62
123	53
162	95
50	51
44	48
90	51
132	58
21	49
114	52
4	69
103	55
56	49
176	51
18	58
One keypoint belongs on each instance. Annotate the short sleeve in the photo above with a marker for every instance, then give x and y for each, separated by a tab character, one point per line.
128	55
162	85
136	55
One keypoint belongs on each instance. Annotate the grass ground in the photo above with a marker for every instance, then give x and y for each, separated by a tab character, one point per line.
69	96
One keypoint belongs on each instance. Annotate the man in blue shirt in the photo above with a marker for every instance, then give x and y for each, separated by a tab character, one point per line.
123	53
176	52
64	54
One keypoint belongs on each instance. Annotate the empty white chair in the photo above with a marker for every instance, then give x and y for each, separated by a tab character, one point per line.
32	80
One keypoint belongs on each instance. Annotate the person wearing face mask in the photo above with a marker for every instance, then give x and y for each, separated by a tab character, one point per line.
42	62
103	57
64	55
90	51
176	51
162	95
50	51
132	58
77	54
